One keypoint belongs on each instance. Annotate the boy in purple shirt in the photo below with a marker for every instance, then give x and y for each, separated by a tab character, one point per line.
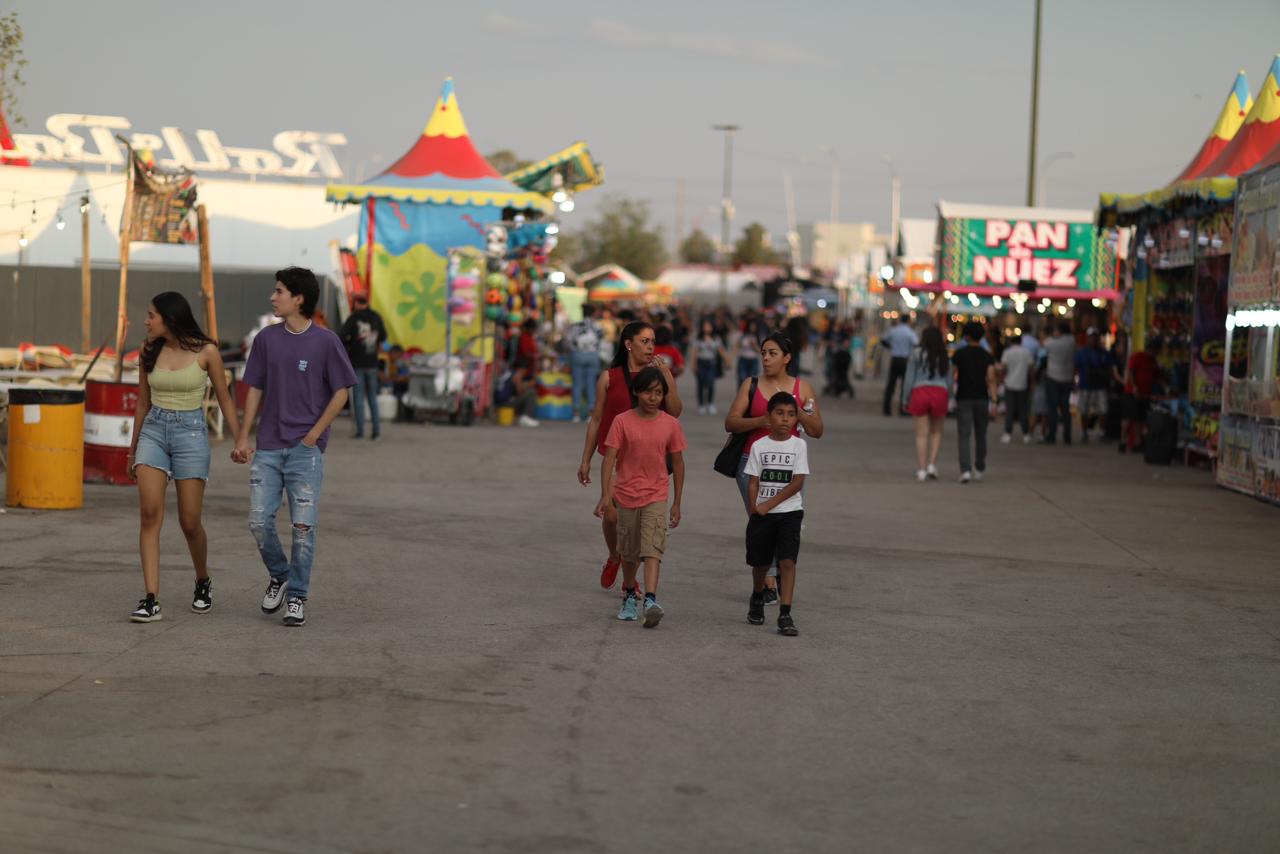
303	372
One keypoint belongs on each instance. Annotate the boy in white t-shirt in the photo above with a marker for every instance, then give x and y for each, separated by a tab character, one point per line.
777	465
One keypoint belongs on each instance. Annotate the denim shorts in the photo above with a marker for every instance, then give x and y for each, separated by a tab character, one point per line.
176	443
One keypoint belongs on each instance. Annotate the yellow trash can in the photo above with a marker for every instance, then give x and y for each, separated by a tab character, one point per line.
506	416
46	449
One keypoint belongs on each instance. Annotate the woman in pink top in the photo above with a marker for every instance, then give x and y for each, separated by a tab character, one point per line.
751	414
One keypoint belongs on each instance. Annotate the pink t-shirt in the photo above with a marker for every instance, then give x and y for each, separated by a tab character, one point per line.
643	446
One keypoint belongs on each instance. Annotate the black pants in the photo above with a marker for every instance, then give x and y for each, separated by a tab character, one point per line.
897	371
1058	397
1017	408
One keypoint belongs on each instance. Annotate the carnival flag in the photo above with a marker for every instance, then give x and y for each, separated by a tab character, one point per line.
164	204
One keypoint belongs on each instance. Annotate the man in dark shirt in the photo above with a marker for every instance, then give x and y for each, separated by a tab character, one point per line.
363	334
975	375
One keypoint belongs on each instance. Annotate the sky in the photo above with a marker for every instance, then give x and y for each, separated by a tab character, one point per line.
937	90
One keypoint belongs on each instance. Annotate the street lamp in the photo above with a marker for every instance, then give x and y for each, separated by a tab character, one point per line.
726	207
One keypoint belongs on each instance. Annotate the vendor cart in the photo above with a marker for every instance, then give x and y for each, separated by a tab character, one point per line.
441	389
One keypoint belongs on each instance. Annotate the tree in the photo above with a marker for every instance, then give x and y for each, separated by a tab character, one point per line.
568	250
11	64
754	247
505	160
623	235
697	248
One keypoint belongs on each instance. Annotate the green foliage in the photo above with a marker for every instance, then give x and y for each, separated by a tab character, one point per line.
697	248
623	235
505	160
11	64
754	247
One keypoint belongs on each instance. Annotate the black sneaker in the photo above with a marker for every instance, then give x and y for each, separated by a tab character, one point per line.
296	613
202	599
148	611
787	626
755	609
771	596
274	597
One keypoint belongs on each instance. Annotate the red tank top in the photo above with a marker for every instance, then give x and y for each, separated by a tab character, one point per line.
758	406
617	400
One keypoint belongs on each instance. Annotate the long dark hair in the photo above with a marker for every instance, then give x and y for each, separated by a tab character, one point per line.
783	342
631	330
175	311
934	351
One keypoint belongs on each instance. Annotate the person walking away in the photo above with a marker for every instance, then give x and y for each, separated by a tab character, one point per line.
776	469
975	375
749	352
668	352
641	441
708	352
170	441
1060	371
1139	380
927	388
1017	362
900	341
585	339
634	353
1093	372
300	375
363	334
749	413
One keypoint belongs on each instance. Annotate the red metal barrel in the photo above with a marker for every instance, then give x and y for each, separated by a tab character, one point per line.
108	430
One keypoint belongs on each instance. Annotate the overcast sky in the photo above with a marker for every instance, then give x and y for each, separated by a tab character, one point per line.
941	87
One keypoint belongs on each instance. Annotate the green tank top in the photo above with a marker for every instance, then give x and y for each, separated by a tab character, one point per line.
181	390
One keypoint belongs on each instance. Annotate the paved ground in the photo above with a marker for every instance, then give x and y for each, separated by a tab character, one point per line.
1079	654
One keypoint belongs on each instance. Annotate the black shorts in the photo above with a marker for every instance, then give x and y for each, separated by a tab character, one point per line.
774	536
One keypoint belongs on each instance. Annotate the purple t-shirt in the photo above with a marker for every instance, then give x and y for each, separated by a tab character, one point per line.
298	375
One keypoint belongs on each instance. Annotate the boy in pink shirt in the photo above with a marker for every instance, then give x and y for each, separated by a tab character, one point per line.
640	442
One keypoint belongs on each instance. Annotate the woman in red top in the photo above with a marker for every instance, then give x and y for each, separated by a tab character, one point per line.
752	415
613	397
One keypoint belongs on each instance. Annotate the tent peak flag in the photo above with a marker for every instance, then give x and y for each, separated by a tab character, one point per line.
1232	117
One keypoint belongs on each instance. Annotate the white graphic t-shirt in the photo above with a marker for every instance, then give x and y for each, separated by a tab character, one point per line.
776	463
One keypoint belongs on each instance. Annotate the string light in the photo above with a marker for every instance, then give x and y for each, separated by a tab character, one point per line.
61	223
22	241
84	204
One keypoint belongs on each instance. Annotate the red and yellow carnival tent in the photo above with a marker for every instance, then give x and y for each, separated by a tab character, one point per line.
441	195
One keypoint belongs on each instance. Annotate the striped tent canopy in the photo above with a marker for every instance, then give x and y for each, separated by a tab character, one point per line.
574	166
1233	114
611	282
1259	133
443	167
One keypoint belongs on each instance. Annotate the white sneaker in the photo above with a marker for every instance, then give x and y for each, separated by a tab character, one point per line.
921	475
1006	438
702	410
977	475
966	476
932	472
526	421
711	407
1026	440
577	419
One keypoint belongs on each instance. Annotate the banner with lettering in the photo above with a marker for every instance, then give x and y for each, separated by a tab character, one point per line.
998	253
164	205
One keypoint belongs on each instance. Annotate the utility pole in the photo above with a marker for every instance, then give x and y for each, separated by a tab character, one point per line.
895	211
726	208
1035	110
86	280
678	237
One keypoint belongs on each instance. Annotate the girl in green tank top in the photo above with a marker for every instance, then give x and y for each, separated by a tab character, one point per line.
177	362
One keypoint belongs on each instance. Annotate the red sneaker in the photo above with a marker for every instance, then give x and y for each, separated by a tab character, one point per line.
609	573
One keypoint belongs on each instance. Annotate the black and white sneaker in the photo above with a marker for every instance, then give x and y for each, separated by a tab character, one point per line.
274	597
202	599
148	611
787	626
771	596
755	609
296	612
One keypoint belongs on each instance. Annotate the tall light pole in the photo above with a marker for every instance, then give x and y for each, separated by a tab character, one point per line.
835	183
895	208
726	208
1035	110
1044	170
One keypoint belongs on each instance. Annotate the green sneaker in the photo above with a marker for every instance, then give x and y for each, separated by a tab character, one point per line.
630	609
652	613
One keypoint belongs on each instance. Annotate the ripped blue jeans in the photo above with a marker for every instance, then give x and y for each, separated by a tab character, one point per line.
298	473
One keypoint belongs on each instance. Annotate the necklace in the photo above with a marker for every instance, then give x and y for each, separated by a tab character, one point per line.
300	331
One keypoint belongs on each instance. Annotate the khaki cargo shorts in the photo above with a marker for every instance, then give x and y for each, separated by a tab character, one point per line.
642	531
